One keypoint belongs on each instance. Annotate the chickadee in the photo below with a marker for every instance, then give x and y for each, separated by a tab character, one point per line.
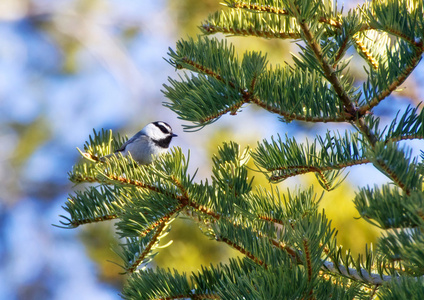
148	143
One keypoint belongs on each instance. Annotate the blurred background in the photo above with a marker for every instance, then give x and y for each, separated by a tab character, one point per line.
68	66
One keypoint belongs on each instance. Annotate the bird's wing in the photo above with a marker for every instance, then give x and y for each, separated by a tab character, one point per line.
136	136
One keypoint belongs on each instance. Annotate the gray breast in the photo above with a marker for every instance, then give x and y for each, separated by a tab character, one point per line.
142	150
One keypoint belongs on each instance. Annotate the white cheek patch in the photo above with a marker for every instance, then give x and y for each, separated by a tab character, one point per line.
154	131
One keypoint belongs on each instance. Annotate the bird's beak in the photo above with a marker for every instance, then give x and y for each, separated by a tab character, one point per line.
173	135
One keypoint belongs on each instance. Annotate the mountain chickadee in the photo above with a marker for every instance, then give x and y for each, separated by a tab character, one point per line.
148	143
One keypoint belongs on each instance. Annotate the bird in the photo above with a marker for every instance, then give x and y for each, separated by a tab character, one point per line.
148	143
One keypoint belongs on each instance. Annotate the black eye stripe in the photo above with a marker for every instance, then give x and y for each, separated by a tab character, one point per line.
165	128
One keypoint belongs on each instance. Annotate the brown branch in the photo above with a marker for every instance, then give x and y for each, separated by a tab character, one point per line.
259	8
204	210
306	169
337	269
374	290
269	219
341	51
161	223
146	251
76	223
308	265
162	220
274	10
329	72
331	76
418	45
293	116
155	225
393	176
243	251
280	245
277	244
231	109
391	87
308	259
202	69
374	279
135	183
324	180
184	199
248	97
80	178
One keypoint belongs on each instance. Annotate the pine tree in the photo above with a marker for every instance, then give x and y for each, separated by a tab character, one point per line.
288	246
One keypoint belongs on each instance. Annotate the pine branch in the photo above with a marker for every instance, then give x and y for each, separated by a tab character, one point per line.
258	6
307	99
329	72
245	23
294	205
384	81
146	212
243	251
289	116
390	207
356	273
92	205
331	76
282	238
225	87
285	159
369	45
409	126
406	246
83	173
147	248
400	18
404	288
157	284
397	164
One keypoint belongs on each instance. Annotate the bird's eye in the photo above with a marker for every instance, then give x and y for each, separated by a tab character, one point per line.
165	128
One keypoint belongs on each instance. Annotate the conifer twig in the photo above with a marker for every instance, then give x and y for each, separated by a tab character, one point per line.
162	220
243	251
292	116
135	183
341	51
146	250
392	86
299	170
76	223
258	8
210	28
248	97
330	74
365	52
